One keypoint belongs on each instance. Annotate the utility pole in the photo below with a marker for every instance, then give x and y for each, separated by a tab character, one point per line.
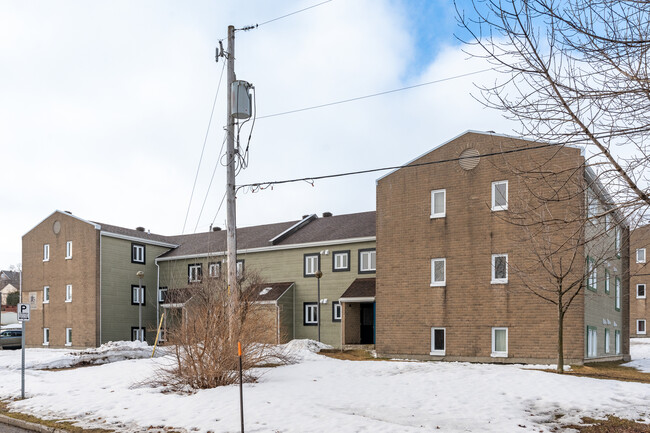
231	219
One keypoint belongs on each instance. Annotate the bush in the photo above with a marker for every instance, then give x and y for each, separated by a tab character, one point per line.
13	299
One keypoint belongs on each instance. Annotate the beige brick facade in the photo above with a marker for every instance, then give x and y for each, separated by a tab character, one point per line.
469	306
639	282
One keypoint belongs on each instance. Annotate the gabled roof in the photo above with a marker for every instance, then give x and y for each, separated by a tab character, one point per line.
97	227
361	290
270	292
124	233
10	277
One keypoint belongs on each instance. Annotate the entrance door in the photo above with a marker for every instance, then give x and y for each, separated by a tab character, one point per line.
367	323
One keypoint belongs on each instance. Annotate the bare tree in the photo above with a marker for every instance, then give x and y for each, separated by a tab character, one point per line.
573	72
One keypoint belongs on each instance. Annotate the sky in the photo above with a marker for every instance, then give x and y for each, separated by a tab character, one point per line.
105	106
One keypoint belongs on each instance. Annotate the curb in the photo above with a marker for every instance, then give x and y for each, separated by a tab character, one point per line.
29	425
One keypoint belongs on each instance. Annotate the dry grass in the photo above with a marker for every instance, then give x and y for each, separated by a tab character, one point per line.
62	425
608	370
610	425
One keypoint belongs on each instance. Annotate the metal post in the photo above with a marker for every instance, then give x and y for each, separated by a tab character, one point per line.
22	369
318	275
140	274
241	388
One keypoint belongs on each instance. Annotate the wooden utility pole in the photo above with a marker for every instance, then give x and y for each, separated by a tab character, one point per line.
231	221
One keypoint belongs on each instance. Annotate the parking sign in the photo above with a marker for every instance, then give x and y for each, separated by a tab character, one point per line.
23	312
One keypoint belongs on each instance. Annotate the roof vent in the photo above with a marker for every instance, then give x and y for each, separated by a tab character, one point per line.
469	159
304	216
216	229
140	229
327	214
265	291
68	212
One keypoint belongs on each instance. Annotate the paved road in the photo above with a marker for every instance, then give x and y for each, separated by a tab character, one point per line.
4	428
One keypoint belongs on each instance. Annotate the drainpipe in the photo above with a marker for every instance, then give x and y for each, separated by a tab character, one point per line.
157	294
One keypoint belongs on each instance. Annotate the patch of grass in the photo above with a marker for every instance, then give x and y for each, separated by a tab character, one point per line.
608	370
63	425
610	425
350	355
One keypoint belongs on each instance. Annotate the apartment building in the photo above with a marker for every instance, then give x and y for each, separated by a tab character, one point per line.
81	277
466	251
639	280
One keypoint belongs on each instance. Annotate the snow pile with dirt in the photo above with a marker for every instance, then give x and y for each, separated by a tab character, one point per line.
321	394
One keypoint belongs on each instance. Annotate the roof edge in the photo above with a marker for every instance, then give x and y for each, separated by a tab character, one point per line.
97	226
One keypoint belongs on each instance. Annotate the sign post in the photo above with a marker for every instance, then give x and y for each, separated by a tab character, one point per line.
23	316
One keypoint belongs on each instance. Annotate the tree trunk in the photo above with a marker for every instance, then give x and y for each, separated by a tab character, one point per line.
560	339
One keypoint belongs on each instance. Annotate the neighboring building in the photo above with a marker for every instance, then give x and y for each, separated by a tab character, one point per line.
447	252
80	276
9	283
639	281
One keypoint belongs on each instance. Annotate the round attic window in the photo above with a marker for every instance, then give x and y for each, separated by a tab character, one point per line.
56	227
469	159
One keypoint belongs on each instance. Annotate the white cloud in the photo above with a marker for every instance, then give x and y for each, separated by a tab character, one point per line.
105	106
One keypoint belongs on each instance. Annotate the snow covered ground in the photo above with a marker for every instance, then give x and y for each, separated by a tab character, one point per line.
318	394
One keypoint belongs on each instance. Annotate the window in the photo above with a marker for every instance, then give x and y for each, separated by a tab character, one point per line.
438	203
617	294
617	342
137	295
367	260
640	255
46	252
499	268
640	327
592	274
68	336
617	241
607	342
438	272
438	341
606	281
46	294
336	311
194	273
137	334
640	291
214	269
310	310
162	294
46	336
68	250
500	195
240	268
340	261
137	253
68	293
500	342
592	342
311	264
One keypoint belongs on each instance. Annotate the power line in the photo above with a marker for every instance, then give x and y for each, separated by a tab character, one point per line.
374	94
205	140
264	185
207	193
293	13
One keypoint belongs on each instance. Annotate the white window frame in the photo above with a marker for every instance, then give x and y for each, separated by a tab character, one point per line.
46	336
137	295
68	250
46	294
46	252
592	342
443	282
640	255
239	268
370	254
592	274
214	269
499	353
310	312
617	342
194	273
607	278
496	280
161	290
644	291
344	263
337	311
617	241
68	293
68	336
496	207
139	334
607	341
440	213
137	253
434	351
617	294
644	324
311	264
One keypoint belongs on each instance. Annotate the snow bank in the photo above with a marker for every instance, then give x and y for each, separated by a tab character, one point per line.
640	353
